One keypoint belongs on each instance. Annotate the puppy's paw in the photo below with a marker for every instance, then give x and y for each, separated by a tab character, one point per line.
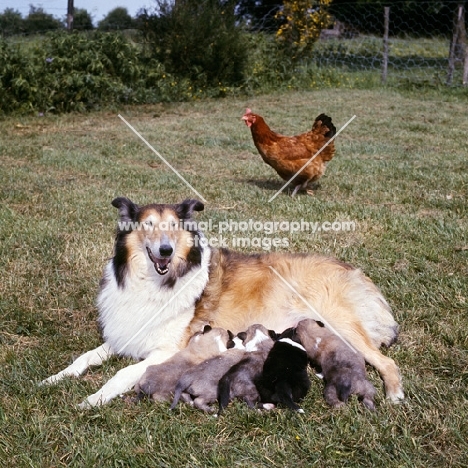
268	406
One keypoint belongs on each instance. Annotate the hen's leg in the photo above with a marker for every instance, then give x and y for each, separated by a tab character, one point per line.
298	187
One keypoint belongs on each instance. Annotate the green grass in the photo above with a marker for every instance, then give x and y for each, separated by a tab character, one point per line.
399	173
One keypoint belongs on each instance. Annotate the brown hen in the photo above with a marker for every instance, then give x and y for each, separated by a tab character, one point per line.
288	154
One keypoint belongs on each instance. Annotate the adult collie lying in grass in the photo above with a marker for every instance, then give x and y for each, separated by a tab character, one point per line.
165	283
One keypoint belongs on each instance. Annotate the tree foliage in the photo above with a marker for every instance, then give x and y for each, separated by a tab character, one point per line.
82	20
260	15
117	19
11	22
197	39
38	21
411	17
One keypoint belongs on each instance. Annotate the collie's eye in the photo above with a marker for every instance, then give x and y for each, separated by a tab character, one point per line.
149	223
173	224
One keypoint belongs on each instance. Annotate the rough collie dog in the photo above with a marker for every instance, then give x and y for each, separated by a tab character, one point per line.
164	283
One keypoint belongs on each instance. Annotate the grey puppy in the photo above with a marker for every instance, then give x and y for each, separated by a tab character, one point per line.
343	368
199	385
159	381
238	381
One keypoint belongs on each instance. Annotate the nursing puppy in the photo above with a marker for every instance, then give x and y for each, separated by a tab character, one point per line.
199	385
343	368
159	381
239	381
284	378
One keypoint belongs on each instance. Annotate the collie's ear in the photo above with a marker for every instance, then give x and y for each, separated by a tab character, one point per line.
127	209
188	206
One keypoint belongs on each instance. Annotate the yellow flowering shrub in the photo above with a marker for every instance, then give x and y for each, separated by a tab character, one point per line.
302	22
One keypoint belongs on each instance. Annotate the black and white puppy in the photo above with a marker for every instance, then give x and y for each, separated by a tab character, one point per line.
238	381
284	379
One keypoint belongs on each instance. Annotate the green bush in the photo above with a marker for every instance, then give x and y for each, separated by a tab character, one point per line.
269	67
67	72
19	86
198	40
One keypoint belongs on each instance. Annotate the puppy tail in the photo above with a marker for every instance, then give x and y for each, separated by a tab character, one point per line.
177	394
224	392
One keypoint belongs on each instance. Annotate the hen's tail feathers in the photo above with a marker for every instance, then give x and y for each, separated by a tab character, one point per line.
325	121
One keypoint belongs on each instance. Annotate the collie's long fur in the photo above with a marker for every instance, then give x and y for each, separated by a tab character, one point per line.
164	283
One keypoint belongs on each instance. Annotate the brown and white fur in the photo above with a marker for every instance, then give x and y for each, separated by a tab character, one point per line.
162	286
159	381
343	368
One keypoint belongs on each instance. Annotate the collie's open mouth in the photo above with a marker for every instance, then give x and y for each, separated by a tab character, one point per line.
161	265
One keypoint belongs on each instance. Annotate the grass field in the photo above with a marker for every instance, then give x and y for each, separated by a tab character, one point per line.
400	174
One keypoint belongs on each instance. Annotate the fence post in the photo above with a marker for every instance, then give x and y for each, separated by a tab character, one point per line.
458	41
385	44
465	67
70	8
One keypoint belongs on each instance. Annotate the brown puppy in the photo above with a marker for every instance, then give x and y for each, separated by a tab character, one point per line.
159	381
343	368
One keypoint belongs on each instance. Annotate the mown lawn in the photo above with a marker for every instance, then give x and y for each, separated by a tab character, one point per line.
400	174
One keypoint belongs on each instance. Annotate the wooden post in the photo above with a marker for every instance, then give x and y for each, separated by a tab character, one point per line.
385	44
465	67
70	11
457	39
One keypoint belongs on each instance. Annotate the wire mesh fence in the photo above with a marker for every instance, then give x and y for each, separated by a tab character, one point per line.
423	42
424	45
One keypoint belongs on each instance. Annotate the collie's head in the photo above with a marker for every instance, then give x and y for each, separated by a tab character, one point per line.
157	241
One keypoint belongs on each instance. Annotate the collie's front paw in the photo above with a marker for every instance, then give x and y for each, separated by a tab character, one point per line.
396	397
93	400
